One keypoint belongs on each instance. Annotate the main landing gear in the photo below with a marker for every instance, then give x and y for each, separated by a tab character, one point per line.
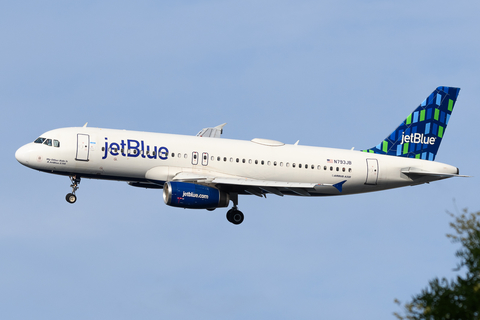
235	216
71	197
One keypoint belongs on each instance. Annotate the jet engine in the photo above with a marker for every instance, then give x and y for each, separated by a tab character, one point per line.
193	196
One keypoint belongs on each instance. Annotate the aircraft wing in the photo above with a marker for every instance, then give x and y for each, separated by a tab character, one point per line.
214	132
255	186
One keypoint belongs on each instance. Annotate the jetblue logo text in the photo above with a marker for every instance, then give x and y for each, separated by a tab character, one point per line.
417	138
195	195
134	148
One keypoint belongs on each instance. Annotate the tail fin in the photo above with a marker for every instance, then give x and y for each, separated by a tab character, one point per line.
420	135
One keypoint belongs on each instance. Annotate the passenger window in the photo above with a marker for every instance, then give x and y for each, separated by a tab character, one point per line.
243	160
349	169
56	143
179	155
256	161
331	168
338	168
293	165
313	167
325	168
225	159
238	160
287	165
268	162
299	165
185	155
274	163
281	164
306	166
212	158
39	140
343	169
262	162
173	154
319	167
218	158
231	159
250	161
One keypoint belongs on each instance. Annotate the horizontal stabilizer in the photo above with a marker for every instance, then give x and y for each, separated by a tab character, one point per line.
418	172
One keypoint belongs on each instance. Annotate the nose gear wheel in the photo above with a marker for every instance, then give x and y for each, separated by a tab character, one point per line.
71	197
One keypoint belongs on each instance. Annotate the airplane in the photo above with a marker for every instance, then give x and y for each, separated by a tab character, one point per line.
208	172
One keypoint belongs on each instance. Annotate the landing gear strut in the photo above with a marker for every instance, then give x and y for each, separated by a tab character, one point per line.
71	197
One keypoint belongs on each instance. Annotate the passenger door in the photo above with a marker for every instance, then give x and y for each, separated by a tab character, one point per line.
83	141
372	171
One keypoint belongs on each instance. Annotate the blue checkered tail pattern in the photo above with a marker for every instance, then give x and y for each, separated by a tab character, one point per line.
420	134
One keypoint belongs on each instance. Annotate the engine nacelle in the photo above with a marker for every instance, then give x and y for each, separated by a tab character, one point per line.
193	196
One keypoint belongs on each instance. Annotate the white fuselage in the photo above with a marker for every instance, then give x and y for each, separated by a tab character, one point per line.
128	156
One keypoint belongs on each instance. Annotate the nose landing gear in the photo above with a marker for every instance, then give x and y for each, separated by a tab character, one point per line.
71	197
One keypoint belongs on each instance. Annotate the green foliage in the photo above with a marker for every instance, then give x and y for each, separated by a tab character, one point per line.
459	298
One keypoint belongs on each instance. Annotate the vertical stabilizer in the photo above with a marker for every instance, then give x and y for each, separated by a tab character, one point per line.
420	134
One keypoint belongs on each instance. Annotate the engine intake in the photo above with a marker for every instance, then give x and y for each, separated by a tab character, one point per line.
193	196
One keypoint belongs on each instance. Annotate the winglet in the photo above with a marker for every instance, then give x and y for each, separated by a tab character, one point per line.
339	185
214	132
220	127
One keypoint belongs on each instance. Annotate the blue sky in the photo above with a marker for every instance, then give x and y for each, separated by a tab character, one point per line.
328	73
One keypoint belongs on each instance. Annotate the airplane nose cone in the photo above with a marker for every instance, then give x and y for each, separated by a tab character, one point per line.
22	155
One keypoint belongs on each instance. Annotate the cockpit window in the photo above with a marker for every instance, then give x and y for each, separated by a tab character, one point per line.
48	142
